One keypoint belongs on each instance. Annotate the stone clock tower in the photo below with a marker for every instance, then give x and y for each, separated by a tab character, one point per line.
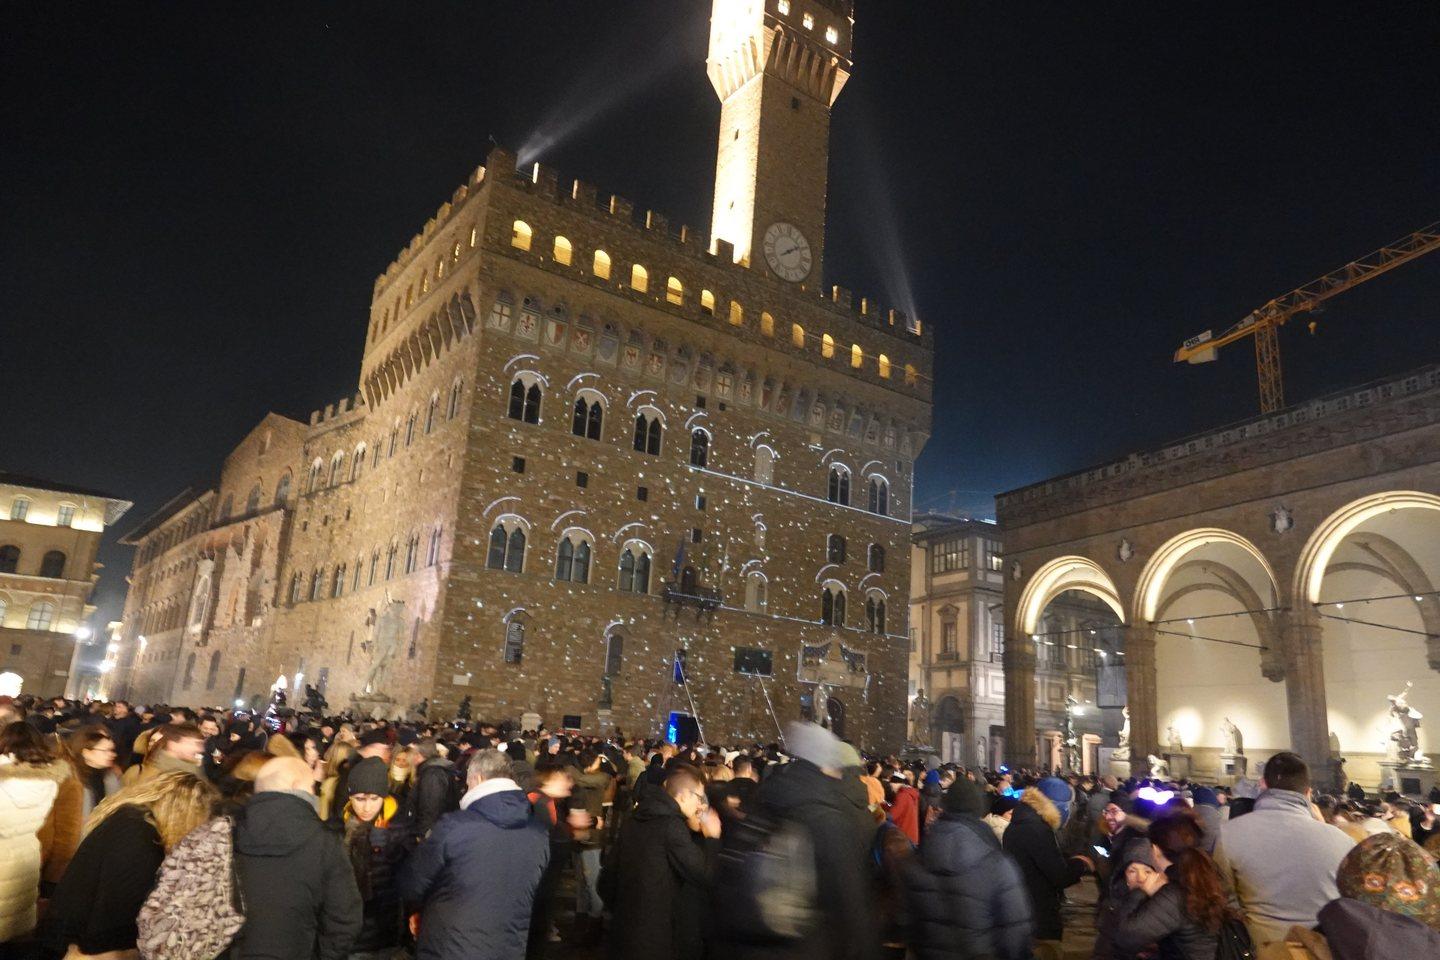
778	65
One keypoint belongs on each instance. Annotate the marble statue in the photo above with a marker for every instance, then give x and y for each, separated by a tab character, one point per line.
822	705
1159	769
1234	742
920	718
1173	743
389	626
1406	735
1122	752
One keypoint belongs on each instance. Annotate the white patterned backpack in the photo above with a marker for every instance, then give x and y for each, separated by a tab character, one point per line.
196	908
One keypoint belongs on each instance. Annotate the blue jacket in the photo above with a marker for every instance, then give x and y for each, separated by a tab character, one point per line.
476	876
966	897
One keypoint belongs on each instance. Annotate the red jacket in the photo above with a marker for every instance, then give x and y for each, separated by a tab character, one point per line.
905	812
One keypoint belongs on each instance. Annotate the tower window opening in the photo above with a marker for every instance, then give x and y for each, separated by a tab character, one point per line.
639	279
674	291
601	265
827	346
808	21
562	252
520	233
707	301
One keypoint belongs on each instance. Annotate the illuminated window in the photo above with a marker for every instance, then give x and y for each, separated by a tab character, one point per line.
767	324
832	35
455	253
797	335
19	507
562	251
337	467
884	365
42	613
784	7
808	21
520	235
912	376
474	236
439	267
737	314
707	301
424	283
357	464
639	278
827	346
66	516
601	266
857	356
410	295
674	291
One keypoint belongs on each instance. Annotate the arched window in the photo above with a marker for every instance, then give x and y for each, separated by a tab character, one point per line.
515	638
699	448
316	468
912	376
394	436
391	552
834	548
562	251
832	605
452	409
883	365
797	335
431	411
357	463
210	674
857	356
189	678
647	432
296	584
639	278
42	613
282	490
674	291
589	415
507	547
9	558
520	235
767	324
52	565
200	606
317	580
875	558
614	653
737	314
635	569
601	265
337	466
827	346
838	490
337	581
875	612
879	496
432	554
252	502
412	553
572	558
764	464
756	588
525	398
410	428
374	567
707	301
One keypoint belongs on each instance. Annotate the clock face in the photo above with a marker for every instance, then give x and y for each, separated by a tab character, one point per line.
787	252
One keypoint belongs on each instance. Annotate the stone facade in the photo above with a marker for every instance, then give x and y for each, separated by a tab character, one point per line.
1292	556
49	534
520	303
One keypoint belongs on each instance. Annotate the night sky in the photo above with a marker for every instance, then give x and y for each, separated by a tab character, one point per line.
196	205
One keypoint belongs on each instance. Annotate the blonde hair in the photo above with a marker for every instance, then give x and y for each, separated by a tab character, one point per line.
335	759
174	803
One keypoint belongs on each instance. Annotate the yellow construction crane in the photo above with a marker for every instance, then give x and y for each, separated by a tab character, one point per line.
1264	324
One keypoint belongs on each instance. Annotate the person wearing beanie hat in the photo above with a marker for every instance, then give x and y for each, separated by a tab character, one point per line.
1031	839
1387	909
1059	793
950	913
998	816
1392	873
1125	843
376	850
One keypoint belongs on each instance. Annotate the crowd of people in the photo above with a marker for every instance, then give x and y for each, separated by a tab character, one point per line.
163	832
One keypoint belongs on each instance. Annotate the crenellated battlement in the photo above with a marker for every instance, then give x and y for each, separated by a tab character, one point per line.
343	411
544	182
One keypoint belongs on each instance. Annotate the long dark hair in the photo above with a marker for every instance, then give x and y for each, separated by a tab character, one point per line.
26	744
1178	837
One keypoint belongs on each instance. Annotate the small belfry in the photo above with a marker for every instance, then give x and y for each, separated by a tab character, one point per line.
777	66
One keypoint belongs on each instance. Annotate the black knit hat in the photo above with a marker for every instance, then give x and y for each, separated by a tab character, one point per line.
371	737
370	775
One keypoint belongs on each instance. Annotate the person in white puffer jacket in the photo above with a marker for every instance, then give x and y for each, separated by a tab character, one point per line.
30	774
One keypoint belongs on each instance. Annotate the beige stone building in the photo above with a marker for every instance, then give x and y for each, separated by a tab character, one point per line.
957	645
586	445
49	535
1277	574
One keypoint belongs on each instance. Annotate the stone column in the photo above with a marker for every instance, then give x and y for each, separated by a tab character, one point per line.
1140	694
1019	701
1305	691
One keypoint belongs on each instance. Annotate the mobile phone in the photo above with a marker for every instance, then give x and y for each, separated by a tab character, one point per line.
1101	850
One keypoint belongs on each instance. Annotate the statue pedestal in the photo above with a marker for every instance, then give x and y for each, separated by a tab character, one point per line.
1119	768
1179	765
1412	781
1233	764
529	720
376	706
605	719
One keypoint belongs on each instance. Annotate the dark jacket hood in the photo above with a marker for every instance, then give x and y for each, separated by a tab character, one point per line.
507	809
275	825
800	783
655	805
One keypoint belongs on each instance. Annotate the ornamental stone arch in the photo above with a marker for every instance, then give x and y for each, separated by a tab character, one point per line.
1056	577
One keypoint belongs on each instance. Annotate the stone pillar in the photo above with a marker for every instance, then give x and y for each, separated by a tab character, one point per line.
1140	696
1305	691
1019	701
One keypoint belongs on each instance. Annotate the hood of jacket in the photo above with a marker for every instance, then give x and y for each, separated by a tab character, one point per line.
276	824
1043	806
656	805
1285	801
32	784
799	784
508	809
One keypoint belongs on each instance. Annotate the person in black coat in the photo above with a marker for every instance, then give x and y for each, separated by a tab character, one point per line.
431	795
1047	872
966	897
124	727
377	839
299	890
659	876
475	876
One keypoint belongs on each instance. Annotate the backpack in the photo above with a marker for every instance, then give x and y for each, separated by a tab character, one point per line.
765	882
196	908
1233	941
